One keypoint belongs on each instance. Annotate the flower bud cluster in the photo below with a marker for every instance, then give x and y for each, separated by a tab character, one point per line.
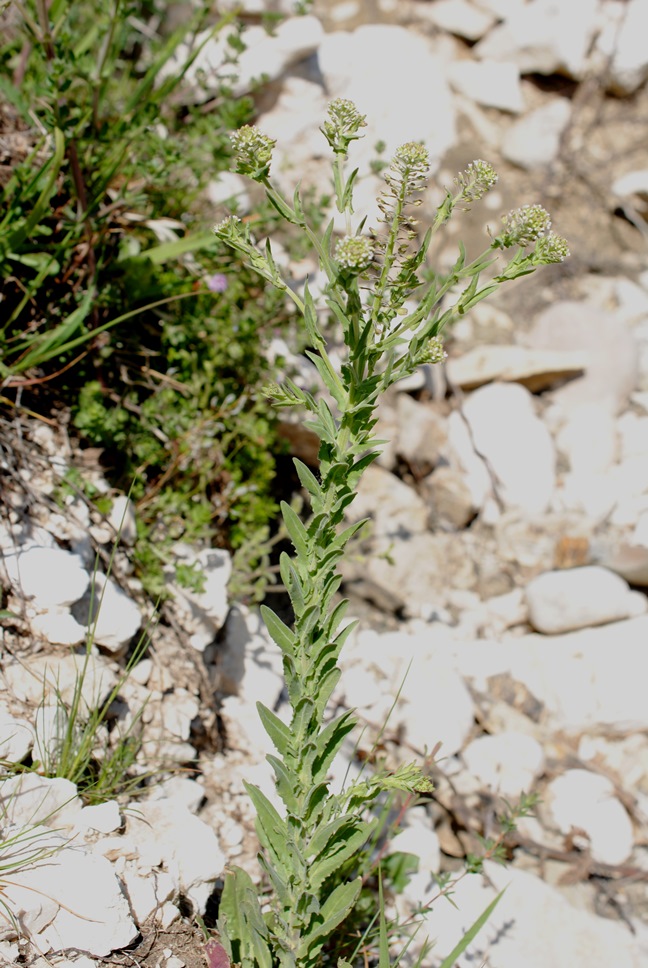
343	123
253	152
551	248
354	253
478	178
409	170
433	352
523	226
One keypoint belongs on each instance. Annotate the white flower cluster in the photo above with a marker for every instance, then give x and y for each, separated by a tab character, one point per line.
354	253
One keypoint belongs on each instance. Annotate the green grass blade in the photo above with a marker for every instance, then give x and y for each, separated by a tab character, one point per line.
471	933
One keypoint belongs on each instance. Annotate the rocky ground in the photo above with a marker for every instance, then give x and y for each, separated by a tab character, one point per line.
503	582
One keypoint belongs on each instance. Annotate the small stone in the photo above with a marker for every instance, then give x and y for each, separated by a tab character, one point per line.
202	612
48	576
580	800
116	616
58	627
103	817
16	736
535	369
629	66
507	763
534	140
515	443
122	519
544	37
461	18
490	83
421	437
562	601
450	498
584	326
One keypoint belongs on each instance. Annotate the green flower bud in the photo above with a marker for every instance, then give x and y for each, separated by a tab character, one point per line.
523	226
343	123
551	248
354	252
253	151
478	178
433	352
409	170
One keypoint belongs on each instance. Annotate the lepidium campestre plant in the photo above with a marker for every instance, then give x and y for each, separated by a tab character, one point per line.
391	323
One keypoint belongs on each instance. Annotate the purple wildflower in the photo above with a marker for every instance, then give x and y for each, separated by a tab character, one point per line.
217	282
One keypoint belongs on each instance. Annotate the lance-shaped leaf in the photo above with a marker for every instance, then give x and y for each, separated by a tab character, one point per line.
308	479
334	910
277	730
329	742
241	925
330	379
279	632
310	319
292	583
285	782
271	828
338	851
296	530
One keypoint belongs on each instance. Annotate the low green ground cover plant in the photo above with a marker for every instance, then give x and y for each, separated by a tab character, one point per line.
117	302
391	322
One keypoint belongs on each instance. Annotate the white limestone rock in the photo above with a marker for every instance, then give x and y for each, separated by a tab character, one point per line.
178	710
46	676
535	369
147	894
562	601
116	616
265	55
591	679
16	736
545	37
203	613
471	465
248	662
508	763
580	800
102	817
227	186
461	17
516	444
589	438
493	84
379	67
167	834
122	519
33	799
434	704
450	498
629	67
395	509
418	837
58	627
584	326
533	925
534	141
50	577
93	914
422	436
